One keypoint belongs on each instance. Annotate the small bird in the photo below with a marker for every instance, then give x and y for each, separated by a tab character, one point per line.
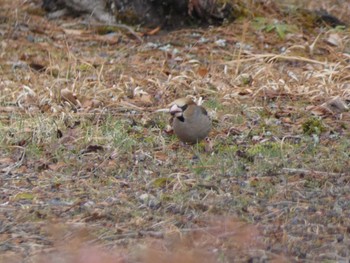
191	122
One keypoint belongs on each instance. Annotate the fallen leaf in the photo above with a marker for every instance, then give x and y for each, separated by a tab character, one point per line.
319	110
334	40
161	156
96	103
286	120
202	71
23	196
37	67
336	105
152	32
92	148
244	92
57	166
67	95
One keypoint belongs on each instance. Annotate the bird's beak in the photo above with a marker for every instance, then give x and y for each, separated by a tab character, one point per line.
175	111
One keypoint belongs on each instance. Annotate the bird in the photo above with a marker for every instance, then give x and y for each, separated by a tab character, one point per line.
191	122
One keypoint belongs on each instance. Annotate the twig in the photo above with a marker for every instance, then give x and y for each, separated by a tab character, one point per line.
131	31
294	170
271	57
11	167
154	234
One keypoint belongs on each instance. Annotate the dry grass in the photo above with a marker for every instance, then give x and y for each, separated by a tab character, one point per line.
88	171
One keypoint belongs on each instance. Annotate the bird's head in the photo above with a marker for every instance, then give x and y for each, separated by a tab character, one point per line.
178	106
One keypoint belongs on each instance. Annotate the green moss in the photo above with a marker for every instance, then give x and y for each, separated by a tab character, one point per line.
161	182
36	11
84	67
240	9
264	189
34	150
313	126
128	17
281	29
271	149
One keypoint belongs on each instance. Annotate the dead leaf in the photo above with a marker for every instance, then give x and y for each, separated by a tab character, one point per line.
319	110
334	40
202	71
142	96
67	95
37	67
6	161
57	166
330	107
45	107
336	105
145	98
152	32
286	120
244	92
161	156
92	148
346	117
96	103
86	103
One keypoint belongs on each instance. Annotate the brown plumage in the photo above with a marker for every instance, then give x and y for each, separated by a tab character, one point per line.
191	122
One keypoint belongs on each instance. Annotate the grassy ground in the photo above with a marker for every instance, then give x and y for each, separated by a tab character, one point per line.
88	169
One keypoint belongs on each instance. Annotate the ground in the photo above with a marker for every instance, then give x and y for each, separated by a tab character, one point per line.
90	171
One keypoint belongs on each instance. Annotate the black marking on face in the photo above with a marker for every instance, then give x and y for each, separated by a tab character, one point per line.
181	118
184	107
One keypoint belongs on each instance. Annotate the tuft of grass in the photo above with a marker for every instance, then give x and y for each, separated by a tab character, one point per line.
313	126
281	29
214	104
265	150
116	133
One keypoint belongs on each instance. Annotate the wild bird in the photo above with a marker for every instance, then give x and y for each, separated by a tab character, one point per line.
191	122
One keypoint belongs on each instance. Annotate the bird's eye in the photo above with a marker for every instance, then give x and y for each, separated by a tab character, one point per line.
181	118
